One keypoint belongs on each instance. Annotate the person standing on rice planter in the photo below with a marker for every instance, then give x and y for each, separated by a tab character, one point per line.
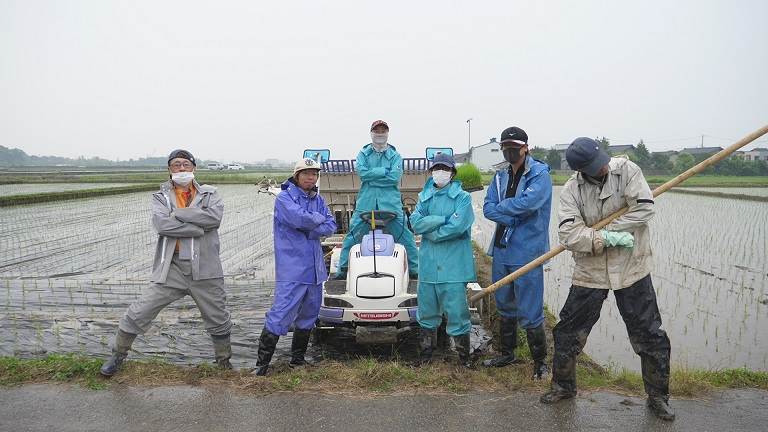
380	167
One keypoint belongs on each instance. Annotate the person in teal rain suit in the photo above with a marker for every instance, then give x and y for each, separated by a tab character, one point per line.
380	167
444	218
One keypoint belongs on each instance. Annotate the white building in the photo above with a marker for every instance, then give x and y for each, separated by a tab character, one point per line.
560	149
756	154
484	157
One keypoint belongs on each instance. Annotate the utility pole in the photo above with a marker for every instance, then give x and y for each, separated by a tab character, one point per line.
702	141
469	135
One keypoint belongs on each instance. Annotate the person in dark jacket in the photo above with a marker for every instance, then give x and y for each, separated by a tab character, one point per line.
519	200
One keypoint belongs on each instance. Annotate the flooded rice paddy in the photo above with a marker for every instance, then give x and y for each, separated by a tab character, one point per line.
68	271
749	191
710	274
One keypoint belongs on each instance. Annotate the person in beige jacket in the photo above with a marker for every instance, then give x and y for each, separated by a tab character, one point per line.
617	258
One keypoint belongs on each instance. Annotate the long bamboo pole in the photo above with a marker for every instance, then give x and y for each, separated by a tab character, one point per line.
717	157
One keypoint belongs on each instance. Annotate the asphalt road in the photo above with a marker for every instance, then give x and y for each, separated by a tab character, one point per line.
183	408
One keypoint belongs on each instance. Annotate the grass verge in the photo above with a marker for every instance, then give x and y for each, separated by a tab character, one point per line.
13	200
363	376
55	368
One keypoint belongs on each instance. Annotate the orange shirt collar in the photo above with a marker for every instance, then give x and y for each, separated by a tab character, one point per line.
184	198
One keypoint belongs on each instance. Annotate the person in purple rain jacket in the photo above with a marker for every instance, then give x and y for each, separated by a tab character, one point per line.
301	218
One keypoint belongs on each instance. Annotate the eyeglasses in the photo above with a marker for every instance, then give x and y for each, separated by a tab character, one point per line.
179	165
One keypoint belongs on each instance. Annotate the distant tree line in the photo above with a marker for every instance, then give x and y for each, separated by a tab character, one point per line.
15	157
731	166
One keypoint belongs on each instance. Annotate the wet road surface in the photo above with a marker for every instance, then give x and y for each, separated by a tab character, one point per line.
183	408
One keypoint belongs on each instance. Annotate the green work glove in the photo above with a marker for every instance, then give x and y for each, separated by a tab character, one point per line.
613	238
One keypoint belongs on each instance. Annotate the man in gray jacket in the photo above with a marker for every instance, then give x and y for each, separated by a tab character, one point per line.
616	258
186	216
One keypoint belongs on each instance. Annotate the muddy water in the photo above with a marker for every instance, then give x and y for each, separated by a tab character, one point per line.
711	278
68	271
63	316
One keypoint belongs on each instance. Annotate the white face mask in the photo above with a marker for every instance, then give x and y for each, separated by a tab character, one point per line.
441	178
379	141
183	178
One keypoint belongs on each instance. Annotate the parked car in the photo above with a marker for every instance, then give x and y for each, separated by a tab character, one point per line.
215	166
235	166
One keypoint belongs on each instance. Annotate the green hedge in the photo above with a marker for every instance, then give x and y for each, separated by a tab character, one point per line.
36	198
470	177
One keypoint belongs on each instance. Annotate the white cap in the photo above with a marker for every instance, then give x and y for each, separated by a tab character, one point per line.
304	164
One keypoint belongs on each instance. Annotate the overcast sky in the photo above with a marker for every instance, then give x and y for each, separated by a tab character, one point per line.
252	80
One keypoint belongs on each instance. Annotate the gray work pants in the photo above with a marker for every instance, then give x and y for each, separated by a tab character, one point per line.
208	294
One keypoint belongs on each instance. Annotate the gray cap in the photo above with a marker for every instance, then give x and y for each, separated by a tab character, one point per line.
585	155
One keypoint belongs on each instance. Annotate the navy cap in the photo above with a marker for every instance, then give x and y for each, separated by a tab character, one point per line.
585	155
181	154
513	136
442	159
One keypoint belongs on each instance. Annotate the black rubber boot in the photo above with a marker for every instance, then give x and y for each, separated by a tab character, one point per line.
123	342
222	349
508	342
659	405
267	344
556	394
537	342
426	345
299	348
461	343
